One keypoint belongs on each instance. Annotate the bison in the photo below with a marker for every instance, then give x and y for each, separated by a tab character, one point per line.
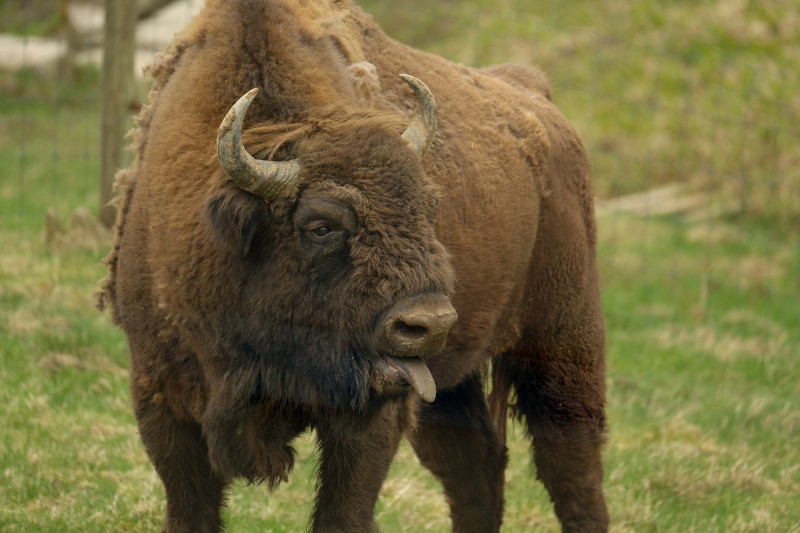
312	237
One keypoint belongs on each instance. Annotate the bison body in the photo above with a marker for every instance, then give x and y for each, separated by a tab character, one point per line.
325	302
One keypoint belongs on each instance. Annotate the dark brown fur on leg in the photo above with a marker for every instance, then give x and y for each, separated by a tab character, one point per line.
356	453
568	463
195	494
458	442
567	426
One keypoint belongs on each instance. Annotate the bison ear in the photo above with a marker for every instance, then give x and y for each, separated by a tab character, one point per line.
239	221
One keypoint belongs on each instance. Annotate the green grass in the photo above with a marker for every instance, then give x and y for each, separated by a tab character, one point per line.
702	311
703	388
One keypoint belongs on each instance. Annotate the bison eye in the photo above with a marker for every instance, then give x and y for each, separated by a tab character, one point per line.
321	231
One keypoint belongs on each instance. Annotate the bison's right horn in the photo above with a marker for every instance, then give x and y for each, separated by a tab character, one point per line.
265	179
419	134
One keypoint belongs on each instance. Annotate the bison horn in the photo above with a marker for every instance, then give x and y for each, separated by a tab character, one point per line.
265	179
419	134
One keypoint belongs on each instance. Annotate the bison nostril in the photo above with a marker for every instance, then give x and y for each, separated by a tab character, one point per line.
407	330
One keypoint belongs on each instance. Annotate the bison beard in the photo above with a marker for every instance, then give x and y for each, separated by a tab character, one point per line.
292	250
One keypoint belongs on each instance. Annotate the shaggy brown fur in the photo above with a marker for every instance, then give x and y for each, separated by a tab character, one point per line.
244	330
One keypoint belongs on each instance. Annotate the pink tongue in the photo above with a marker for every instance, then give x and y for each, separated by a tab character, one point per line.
419	377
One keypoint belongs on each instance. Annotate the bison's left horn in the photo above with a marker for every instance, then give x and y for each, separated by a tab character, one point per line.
419	133
266	179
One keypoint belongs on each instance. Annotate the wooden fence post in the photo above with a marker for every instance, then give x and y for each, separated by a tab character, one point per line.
119	44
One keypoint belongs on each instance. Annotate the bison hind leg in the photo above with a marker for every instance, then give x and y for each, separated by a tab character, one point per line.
565	419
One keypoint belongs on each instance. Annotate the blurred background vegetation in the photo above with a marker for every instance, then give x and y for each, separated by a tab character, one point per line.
691	116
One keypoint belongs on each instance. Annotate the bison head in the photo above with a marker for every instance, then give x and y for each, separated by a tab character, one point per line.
342	285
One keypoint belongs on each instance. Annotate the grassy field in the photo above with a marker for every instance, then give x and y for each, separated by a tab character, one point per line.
702	303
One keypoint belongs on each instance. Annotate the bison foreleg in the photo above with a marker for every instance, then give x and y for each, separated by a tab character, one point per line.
355	457
195	494
458	442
